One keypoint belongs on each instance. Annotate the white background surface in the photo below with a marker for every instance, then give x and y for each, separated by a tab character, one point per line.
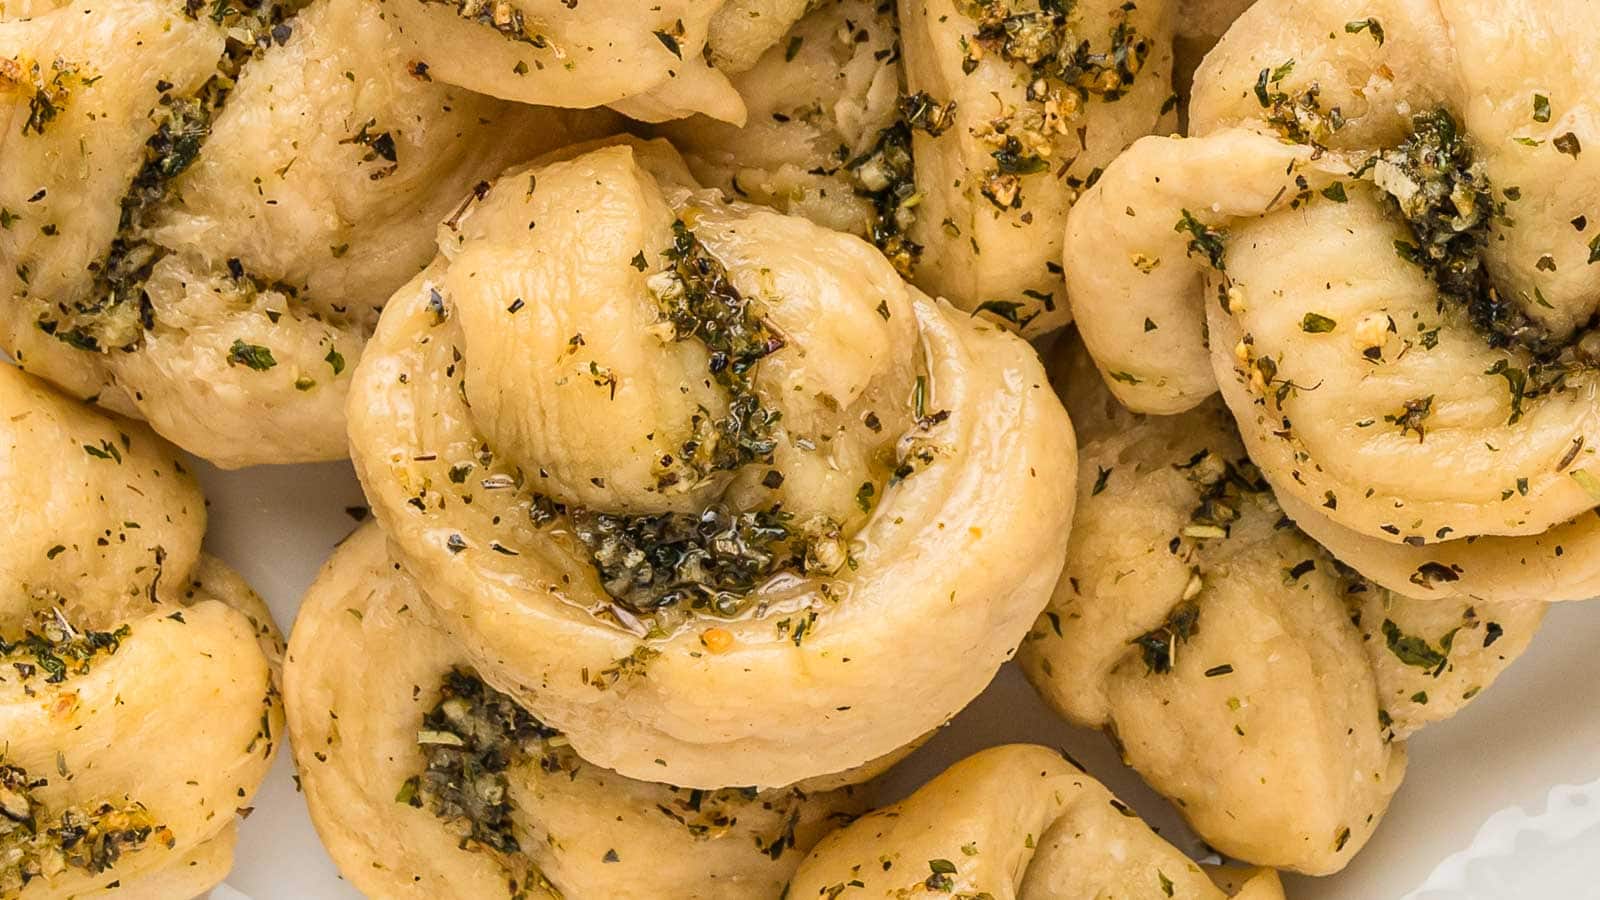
1501	802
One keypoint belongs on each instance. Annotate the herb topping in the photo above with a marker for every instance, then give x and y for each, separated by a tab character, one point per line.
39	842
58	649
469	739
697	297
708	562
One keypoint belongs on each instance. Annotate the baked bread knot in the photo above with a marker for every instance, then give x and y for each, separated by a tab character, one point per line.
707	487
1379	245
825	137
426	782
1241	669
1040	97
953	135
137	676
1014	821
204	206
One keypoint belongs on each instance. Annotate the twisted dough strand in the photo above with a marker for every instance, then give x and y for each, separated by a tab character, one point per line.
1384	228
577	829
1242	670
138	699
528	436
1013	821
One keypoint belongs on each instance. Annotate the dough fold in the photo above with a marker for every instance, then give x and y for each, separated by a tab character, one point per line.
394	735
1014	821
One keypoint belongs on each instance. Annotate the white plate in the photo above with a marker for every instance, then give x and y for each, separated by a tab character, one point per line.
1501	802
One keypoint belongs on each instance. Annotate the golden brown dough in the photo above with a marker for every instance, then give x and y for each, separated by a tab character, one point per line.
1042	101
1243	671
653	62
953	135
137	696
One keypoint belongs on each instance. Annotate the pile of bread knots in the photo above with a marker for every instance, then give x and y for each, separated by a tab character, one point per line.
737	385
